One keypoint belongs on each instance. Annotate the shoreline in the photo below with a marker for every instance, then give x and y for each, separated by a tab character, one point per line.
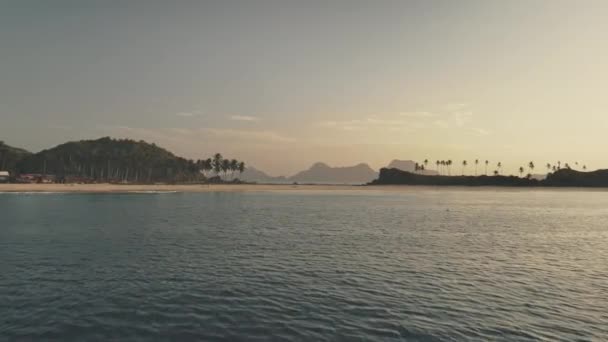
162	188
200	188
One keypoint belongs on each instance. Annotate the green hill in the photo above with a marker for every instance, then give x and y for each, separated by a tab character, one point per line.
10	157
111	160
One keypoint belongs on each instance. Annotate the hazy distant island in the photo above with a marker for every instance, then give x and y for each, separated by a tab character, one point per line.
124	161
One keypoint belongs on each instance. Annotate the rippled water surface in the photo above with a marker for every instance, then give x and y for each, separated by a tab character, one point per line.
414	265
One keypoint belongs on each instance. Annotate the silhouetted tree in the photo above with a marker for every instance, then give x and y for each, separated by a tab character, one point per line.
225	167
234	167
531	166
487	162
464	165
241	168
217	163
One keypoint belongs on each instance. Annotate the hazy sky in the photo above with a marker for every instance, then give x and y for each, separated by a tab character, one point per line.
282	84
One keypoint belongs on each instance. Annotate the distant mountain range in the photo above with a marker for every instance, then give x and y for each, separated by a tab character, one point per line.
252	174
322	173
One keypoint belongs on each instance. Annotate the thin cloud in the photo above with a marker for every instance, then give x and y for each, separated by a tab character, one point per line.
481	131
189	114
363	124
244	118
455	106
248	135
461	118
418	114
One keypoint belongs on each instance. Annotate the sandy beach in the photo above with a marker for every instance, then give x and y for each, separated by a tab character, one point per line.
119	188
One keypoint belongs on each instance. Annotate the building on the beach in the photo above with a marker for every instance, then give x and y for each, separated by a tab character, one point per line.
36	178
5	176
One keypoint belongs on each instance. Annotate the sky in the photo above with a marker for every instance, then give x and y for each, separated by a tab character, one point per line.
282	84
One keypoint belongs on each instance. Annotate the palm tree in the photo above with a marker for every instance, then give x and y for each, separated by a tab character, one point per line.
584	167
464	165
559	164
495	172
208	165
217	163
487	166
499	166
438	163
241	168
426	163
531	166
234	166
476	163
449	163
548	167
521	171
225	166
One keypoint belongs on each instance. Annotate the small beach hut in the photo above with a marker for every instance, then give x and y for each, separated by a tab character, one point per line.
4	176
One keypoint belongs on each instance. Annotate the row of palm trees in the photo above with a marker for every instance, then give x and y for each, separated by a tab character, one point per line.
220	165
444	167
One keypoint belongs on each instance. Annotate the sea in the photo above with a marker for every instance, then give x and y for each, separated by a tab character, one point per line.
417	264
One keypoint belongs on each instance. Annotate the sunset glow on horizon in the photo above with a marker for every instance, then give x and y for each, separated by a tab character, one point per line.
285	84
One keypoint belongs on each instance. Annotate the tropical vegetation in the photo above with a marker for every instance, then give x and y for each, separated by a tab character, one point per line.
122	161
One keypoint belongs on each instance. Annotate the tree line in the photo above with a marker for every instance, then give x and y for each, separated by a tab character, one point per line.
220	165
444	167
122	161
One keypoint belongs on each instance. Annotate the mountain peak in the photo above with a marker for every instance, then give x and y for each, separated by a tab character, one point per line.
319	165
323	173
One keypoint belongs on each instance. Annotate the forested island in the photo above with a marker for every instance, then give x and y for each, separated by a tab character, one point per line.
559	178
115	161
